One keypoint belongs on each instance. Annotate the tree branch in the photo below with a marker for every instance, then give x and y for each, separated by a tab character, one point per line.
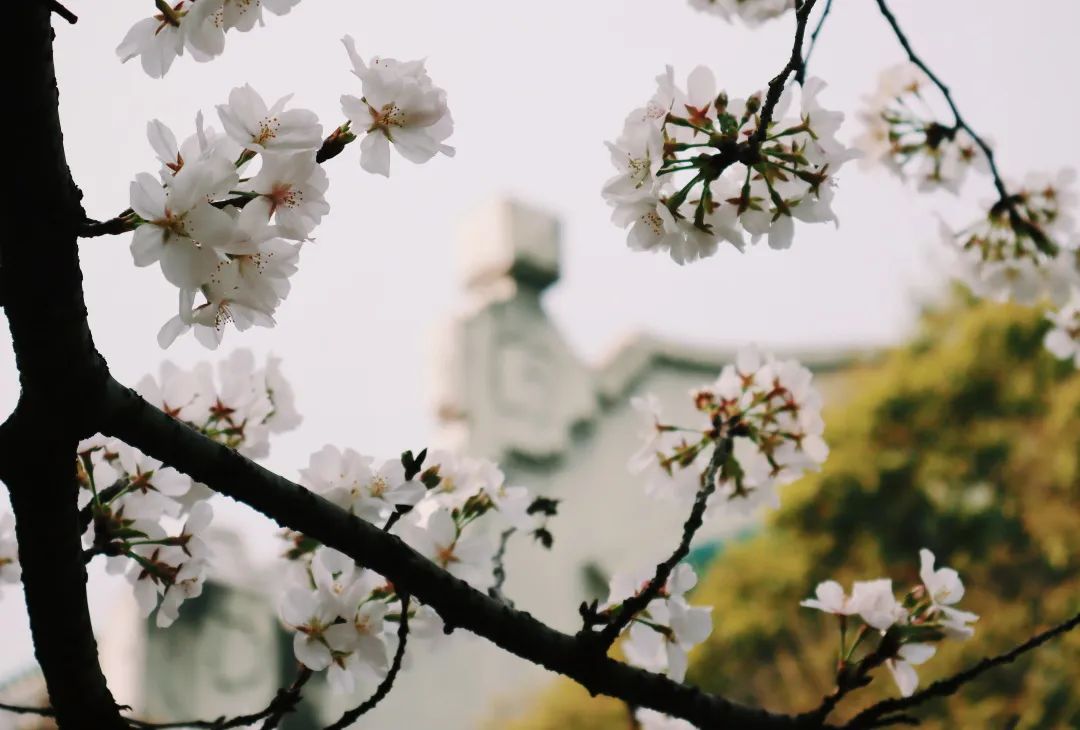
800	74
776	85
351	716
137	423
1004	197
944	687
638	602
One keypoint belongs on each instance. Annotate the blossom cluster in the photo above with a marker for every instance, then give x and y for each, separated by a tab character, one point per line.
233	240
10	570
763	414
751	12
901	133
198	26
435	503
906	629
1024	250
343	618
692	170
662	634
132	498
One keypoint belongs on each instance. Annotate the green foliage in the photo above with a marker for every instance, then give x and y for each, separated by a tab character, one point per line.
966	441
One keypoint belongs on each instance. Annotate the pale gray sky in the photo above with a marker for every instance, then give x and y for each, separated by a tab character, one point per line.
535	89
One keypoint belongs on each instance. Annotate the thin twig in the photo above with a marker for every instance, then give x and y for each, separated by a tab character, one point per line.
349	717
800	74
776	85
1005	198
20	710
284	701
499	571
637	603
945	687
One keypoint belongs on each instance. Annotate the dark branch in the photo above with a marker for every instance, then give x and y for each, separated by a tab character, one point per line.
351	716
63	12
776	85
499	569
137	423
946	687
800	74
1005	199
284	702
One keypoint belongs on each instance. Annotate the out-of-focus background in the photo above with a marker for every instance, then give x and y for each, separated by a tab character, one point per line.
954	431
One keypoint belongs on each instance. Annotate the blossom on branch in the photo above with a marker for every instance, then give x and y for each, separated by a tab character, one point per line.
692	171
903	134
906	630
1063	340
1025	248
766	416
197	25
400	105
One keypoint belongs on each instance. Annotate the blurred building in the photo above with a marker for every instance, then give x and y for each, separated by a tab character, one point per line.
510	389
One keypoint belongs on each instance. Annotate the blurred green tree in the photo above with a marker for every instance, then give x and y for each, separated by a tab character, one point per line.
966	441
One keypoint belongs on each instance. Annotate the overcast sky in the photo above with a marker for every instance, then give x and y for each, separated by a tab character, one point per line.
535	89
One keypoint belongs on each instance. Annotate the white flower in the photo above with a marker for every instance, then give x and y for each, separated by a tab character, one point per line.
1063	339
187	583
465	556
876	604
637	155
309	617
361	640
157	41
460	479
256	127
340	583
830	598
151	486
653	720
400	104
902	667
183	231
291	189
206	142
945	589
180	393
10	570
348	480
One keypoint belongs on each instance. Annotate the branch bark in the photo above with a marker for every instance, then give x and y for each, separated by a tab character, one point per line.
61	378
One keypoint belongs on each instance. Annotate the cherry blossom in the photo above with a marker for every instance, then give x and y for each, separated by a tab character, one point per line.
653	720
209	20
291	189
772	432
1063	339
901	132
439	538
691	172
350	480
902	666
945	589
157	41
400	104
829	597
183	231
302	611
259	128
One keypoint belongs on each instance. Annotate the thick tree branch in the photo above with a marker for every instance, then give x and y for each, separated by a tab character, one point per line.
134	421
61	375
874	715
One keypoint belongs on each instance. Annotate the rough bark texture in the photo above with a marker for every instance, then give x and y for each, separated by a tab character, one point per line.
61	375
